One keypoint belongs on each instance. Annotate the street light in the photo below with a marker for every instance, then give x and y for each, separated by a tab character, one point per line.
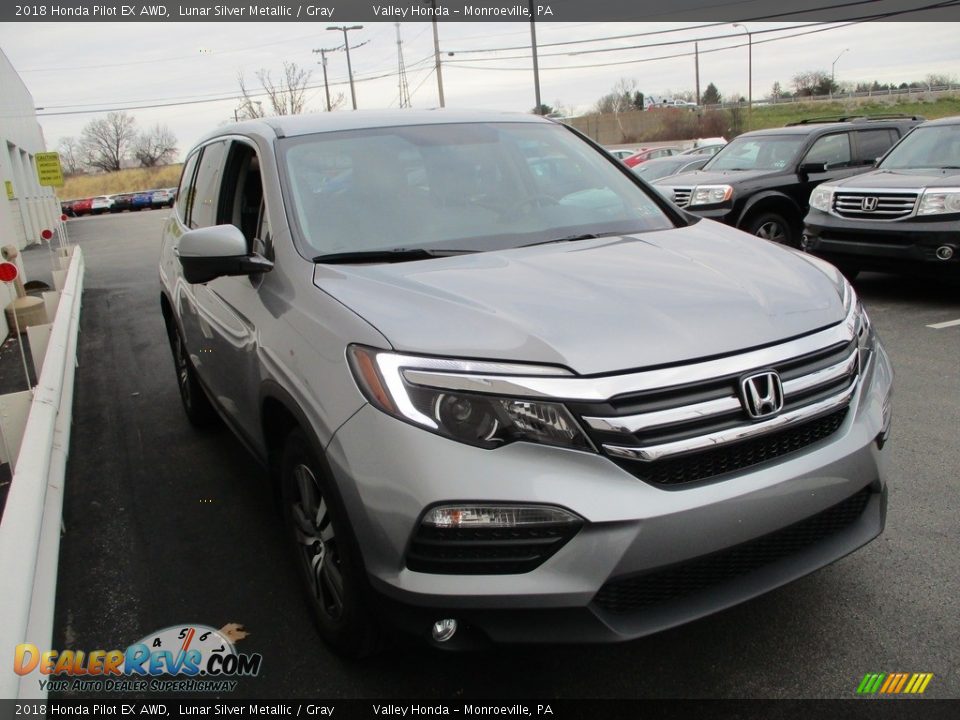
833	66
749	72
346	45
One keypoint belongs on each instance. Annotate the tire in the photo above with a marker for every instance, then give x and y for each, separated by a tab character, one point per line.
318	533
196	404
772	226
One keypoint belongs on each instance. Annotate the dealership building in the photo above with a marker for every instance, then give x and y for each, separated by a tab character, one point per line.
29	208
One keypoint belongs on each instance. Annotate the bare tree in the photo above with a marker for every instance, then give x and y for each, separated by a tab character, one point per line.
619	99
156	146
70	154
286	96
106	141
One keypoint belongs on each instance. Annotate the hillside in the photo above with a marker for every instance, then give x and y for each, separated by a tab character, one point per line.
131	180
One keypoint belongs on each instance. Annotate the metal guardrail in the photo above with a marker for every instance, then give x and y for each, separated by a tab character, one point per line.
837	96
31	525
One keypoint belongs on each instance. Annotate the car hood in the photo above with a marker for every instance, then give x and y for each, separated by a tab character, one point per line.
597	306
903	179
713	177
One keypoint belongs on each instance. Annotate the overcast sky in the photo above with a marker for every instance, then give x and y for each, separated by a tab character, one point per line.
90	66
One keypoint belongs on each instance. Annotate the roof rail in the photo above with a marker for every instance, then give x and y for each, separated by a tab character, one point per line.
855	118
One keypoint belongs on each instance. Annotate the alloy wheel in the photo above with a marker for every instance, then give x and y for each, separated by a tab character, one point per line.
318	545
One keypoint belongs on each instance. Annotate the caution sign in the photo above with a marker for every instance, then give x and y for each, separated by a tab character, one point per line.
49	172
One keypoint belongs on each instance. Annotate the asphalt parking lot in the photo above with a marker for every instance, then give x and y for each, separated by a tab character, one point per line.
166	525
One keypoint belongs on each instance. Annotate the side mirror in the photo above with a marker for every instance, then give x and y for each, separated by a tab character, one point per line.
813	167
218	251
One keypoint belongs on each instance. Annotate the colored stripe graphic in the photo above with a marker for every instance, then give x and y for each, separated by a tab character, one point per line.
894	683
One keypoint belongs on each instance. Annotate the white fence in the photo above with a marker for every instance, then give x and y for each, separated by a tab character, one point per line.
30	530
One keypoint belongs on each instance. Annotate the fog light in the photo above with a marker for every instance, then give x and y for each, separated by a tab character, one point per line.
443	630
496	516
944	252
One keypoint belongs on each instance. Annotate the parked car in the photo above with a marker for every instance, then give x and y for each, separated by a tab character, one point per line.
82	206
142	201
761	181
121	202
664	167
162	198
101	204
708	149
622	154
66	208
645	154
498	410
902	217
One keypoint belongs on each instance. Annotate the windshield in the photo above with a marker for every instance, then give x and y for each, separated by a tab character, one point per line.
937	146
472	187
760	152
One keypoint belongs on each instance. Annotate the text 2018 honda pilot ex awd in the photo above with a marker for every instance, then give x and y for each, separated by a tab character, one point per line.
508	392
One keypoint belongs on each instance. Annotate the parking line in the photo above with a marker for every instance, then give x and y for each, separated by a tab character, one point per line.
942	325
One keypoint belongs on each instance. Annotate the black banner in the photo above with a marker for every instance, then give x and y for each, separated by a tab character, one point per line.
478	10
405	709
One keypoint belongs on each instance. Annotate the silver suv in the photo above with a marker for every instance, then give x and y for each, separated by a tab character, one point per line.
504	389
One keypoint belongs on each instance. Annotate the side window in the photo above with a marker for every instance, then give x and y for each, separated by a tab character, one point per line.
185	190
832	149
241	197
874	143
206	191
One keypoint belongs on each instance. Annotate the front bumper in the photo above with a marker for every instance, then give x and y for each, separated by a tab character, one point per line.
877	245
388	472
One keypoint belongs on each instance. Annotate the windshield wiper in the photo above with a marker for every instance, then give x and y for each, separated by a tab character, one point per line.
385	256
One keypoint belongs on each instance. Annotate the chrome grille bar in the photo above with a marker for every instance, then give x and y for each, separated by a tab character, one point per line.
629	424
651	453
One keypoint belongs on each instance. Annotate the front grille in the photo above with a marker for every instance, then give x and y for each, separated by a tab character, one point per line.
680	581
486	551
681	196
700	466
889	206
687	433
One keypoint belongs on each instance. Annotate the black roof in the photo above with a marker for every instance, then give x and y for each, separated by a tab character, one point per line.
831	123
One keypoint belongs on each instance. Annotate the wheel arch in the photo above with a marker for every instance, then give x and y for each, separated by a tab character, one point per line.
772	201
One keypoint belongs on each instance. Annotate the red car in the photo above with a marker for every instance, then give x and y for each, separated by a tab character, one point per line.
644	154
82	207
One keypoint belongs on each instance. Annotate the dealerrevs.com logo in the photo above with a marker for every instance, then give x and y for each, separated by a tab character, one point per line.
181	658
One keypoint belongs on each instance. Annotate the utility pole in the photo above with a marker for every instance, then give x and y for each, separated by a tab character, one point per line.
536	65
436	54
323	61
346	45
402	72
696	67
749	74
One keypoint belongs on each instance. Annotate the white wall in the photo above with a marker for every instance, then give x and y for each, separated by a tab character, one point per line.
34	208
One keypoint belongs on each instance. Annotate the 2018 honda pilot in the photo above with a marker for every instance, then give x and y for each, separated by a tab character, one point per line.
505	391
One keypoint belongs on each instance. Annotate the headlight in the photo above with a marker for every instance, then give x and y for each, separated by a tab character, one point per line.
939	202
486	421
710	194
822	198
866	337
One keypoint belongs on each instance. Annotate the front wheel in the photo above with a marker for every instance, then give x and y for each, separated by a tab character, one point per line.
196	404
773	227
318	531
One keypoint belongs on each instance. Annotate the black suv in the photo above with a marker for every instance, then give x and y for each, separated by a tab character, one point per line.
903	216
761	181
